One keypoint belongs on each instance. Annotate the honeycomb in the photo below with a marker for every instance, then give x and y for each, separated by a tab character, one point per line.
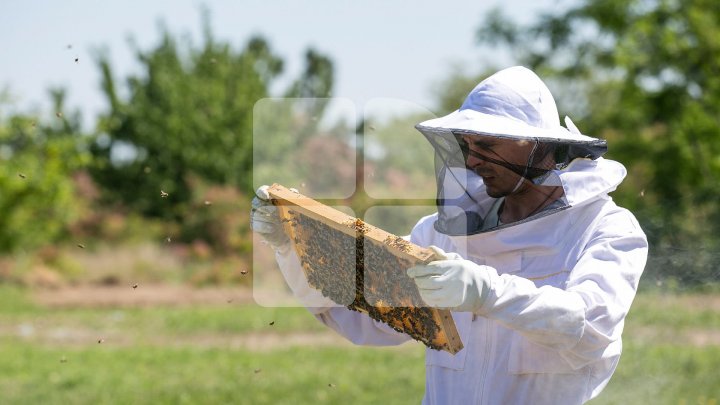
362	267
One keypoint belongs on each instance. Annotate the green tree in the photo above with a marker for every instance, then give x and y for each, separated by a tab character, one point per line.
37	161
189	113
644	75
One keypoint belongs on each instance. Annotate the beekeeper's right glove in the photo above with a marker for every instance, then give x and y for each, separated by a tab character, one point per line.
452	282
265	221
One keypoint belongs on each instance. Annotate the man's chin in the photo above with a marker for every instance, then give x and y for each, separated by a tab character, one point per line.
496	193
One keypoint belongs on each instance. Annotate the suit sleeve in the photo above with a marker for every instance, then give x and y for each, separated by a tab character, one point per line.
582	320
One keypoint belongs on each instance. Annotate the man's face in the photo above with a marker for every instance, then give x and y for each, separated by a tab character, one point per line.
499	180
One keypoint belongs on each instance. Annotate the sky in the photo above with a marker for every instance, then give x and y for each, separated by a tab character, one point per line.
380	49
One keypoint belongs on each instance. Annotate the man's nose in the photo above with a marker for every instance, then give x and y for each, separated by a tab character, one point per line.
474	161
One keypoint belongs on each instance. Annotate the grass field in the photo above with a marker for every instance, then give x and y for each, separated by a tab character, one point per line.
220	351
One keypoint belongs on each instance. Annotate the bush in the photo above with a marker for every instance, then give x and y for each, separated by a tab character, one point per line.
38	199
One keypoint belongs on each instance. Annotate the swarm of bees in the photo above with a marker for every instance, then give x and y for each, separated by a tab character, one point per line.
352	267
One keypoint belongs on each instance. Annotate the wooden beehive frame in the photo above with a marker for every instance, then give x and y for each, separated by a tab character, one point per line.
296	209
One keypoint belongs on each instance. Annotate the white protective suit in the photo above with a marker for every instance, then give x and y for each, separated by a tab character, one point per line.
549	333
549	330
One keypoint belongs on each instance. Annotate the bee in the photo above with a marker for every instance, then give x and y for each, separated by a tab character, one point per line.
22	176
272	323
243	272
77	59
381	304
168	240
331	385
59	114
163	194
81	246
101	340
134	286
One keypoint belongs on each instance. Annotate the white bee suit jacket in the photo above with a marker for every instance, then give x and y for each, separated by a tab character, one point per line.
549	333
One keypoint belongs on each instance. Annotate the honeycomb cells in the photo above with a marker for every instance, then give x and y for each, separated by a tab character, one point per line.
364	275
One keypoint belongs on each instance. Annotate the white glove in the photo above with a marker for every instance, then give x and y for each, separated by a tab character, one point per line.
453	282
265	221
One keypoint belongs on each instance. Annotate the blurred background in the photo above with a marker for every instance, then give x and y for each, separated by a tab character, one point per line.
132	136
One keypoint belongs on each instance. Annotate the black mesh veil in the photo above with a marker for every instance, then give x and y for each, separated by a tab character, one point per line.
462	201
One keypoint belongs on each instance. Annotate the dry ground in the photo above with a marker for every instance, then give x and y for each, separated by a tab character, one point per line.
119	297
178	295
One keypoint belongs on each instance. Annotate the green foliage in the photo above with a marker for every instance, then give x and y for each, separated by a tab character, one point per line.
37	161
188	113
178	143
643	75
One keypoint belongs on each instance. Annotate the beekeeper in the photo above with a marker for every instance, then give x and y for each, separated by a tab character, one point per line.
539	265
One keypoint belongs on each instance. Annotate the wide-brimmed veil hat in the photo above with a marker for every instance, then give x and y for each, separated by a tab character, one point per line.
512	104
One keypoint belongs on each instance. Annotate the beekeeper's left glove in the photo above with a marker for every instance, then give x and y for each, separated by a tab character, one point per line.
265	221
452	282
